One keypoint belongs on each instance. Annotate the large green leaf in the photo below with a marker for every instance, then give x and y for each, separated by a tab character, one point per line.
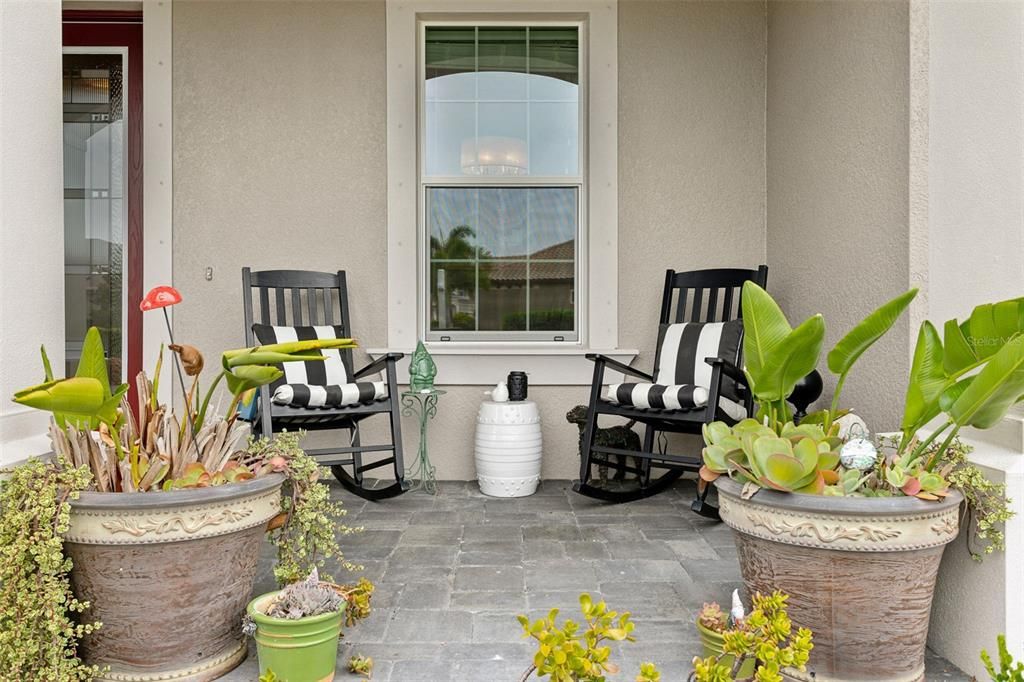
958	353
927	380
791	360
989	328
93	361
247	377
867	332
952	392
77	396
764	327
997	386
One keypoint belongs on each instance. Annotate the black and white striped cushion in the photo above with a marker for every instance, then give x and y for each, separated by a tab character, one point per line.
683	347
317	383
682	378
305	395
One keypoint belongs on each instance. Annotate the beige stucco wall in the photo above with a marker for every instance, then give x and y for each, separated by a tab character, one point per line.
837	139
279	161
31	216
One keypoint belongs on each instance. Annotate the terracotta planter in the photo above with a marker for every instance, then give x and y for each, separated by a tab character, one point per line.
860	573
169	574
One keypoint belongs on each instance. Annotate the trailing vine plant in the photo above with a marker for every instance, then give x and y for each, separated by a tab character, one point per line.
39	631
987	507
306	531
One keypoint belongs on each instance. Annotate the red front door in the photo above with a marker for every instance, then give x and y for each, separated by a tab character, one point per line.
102	95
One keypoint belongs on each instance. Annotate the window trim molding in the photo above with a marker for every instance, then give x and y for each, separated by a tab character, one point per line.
599	328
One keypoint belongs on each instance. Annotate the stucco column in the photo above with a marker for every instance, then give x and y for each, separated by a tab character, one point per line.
31	213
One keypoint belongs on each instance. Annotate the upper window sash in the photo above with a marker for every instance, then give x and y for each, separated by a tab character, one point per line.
501	102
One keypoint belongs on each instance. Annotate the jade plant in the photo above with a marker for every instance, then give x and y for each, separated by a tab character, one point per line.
968	377
767	636
569	653
1009	670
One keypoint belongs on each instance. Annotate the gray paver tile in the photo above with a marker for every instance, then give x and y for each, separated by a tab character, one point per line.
453	570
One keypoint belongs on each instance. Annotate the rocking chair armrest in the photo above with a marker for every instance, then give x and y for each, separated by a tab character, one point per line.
378	364
730	370
619	366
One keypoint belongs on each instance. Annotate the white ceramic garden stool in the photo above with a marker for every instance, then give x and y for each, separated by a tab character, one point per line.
508	448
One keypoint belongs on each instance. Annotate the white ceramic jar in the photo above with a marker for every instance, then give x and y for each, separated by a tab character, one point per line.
508	448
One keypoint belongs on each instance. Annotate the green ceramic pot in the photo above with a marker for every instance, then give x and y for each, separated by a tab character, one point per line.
712	642
303	650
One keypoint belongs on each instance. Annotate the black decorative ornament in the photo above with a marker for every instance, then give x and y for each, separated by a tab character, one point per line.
517	386
806	391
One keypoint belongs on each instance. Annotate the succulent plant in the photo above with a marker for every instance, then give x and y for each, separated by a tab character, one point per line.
798	459
765	635
361	665
712	617
306	598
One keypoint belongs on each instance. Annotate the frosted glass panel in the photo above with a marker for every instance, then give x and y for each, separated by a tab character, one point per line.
95	214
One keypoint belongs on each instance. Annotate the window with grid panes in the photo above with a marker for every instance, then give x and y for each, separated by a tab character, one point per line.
502	181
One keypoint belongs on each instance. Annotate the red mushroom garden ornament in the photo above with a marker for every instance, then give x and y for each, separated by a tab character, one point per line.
163	297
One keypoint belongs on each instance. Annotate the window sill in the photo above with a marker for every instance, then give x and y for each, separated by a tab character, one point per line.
481	364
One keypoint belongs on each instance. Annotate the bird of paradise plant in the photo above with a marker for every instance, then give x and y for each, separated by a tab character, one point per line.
971	376
151	448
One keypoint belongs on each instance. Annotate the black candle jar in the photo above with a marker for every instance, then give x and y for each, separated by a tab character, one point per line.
517	386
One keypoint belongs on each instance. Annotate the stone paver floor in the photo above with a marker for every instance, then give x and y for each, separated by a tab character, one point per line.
453	570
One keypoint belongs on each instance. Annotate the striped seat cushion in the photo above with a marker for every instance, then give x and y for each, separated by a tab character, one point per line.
317	383
682	379
669	397
306	395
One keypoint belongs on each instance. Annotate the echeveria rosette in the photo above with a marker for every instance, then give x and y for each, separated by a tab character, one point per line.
800	459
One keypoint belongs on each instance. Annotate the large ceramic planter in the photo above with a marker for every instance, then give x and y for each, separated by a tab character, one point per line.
301	650
169	574
860	573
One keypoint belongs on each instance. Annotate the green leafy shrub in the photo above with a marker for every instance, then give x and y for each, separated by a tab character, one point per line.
567	654
39	625
1008	670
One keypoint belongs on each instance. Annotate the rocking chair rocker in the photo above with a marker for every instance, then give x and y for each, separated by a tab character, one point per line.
323	395
696	380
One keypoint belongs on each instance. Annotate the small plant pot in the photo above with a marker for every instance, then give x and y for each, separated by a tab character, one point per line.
301	650
713	641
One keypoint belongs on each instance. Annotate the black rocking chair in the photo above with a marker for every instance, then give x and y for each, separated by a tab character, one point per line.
324	296
702	296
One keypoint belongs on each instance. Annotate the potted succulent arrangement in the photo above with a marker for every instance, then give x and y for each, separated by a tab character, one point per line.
152	524
853	535
297	628
712	624
758	646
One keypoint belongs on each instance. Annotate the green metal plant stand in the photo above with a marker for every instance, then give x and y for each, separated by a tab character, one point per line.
423	406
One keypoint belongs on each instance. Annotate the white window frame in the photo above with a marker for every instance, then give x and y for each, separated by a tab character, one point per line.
579	181
480	362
